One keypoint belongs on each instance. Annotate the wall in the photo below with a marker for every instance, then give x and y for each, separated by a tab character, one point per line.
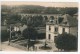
61	29
74	30
51	32
23	27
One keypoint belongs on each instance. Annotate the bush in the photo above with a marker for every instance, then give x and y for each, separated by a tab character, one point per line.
41	36
66	41
4	35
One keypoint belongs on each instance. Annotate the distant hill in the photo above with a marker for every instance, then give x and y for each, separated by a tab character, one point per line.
39	9
21	8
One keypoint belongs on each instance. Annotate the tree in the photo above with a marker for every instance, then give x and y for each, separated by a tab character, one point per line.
68	10
66	41
14	18
34	21
30	34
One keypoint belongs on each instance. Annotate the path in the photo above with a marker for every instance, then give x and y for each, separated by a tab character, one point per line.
6	47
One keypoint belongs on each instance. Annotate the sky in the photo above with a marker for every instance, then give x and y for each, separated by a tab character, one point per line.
46	4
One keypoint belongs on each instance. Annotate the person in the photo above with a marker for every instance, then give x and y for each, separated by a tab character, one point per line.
36	48
28	44
33	47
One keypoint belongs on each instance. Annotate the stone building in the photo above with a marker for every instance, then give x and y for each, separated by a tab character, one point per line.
59	24
75	15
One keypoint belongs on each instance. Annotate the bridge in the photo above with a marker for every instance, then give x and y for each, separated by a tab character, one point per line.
43	15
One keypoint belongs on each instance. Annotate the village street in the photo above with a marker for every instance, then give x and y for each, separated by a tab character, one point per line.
6	47
39	26
16	47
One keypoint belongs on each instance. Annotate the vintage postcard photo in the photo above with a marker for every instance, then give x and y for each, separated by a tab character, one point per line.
39	26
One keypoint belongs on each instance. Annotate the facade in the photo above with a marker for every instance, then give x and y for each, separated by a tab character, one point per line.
60	24
20	28
75	16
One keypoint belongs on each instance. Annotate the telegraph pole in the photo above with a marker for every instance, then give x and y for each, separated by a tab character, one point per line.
10	36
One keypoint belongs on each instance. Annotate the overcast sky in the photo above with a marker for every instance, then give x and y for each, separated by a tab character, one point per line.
46	4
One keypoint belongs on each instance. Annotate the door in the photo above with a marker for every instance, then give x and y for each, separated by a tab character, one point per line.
49	37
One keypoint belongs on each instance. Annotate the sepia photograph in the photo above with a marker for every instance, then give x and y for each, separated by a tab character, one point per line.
39	26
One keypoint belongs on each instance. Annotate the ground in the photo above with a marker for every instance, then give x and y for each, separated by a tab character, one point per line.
6	47
18	47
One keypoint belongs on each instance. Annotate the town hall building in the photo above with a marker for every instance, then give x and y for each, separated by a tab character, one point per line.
59	24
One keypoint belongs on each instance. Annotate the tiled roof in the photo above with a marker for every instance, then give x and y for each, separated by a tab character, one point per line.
66	21
70	20
76	14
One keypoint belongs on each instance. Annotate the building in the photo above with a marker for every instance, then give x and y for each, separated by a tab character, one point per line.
75	15
59	24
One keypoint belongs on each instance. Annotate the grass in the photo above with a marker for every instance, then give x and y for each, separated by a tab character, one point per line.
4	33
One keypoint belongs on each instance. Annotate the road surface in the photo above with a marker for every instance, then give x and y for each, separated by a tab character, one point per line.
6	47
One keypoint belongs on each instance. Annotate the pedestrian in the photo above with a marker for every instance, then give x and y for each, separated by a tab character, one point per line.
36	48
33	47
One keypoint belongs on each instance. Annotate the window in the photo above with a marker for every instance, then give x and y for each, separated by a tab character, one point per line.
55	38
51	17
49	37
56	29
49	28
56	21
63	29
60	19
65	22
51	21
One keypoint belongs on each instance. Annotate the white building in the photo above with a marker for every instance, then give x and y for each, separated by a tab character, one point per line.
59	24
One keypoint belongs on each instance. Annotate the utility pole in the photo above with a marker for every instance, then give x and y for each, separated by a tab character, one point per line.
10	36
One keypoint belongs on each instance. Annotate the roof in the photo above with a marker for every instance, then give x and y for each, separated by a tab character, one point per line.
70	20
76	14
50	23
66	21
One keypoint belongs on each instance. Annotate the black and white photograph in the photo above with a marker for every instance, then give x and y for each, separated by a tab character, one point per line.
39	26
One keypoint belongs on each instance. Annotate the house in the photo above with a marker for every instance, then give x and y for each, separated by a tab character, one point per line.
18	27
5	22
75	15
60	24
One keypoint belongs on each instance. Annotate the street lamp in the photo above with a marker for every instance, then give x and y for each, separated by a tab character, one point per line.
10	33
